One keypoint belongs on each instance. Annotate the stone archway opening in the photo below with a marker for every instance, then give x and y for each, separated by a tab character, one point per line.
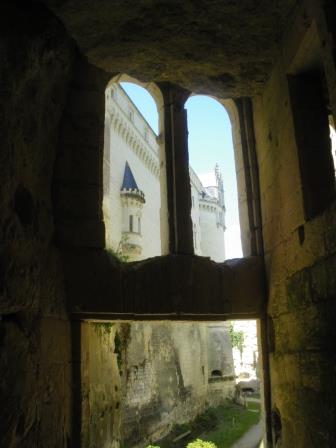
160	370
144	382
134	205
178	286
214	212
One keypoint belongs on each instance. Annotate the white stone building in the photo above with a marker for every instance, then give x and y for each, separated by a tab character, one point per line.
133	216
132	188
333	139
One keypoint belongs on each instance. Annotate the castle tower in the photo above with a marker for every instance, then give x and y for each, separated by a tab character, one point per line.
212	215
132	199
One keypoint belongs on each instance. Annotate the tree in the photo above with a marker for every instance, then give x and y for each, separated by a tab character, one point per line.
237	339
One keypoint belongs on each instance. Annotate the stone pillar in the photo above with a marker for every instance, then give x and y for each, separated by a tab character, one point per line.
78	177
250	221
330	15
324	13
177	169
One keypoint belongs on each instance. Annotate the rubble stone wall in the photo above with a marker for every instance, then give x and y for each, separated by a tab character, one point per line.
140	379
300	257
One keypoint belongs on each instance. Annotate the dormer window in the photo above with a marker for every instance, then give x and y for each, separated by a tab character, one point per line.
146	134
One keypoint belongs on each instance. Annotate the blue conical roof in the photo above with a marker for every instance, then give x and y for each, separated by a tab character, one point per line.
129	181
129	187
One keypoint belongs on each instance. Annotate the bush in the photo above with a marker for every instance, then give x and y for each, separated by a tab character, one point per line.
206	421
198	443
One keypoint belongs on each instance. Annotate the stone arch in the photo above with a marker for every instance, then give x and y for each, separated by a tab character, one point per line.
240	115
137	146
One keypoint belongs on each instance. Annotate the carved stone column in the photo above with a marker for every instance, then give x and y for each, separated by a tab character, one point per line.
177	168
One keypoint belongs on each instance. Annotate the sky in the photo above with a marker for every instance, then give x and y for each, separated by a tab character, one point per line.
210	142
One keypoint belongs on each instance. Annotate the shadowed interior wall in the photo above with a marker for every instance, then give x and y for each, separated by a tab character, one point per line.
300	259
35	361
233	60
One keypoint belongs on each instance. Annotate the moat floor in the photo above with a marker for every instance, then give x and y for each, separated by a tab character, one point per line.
251	438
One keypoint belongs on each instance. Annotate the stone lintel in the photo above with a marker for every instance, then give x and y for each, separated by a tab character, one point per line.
172	287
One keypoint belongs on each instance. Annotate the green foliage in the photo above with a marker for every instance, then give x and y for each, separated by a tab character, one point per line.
121	338
118	253
221	427
237	338
234	421
206	421
152	446
198	443
102	328
117	349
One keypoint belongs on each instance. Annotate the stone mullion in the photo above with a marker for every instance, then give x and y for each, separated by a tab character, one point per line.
177	169
245	114
329	49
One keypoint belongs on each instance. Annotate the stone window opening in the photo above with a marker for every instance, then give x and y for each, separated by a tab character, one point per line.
211	172
132	368
131	223
332	139
312	120
195	236
175	236
312	131
133	173
178	242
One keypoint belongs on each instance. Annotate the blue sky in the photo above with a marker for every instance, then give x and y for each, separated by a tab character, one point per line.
210	142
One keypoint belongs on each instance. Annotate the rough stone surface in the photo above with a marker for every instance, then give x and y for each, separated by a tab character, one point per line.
300	265
35	342
140	379
101	385
177	287
224	48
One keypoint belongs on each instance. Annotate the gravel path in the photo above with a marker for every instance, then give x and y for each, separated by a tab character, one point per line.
251	438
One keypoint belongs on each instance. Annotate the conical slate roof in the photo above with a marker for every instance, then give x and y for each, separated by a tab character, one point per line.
129	181
129	187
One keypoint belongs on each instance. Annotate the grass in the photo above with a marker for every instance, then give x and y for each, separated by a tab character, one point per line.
223	426
234	421
254	395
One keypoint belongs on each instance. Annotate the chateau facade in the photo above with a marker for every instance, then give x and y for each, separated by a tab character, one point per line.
132	198
197	356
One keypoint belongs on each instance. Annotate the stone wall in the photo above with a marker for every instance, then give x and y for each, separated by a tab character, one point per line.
35	353
212	243
101	385
140	379
36	381
300	264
